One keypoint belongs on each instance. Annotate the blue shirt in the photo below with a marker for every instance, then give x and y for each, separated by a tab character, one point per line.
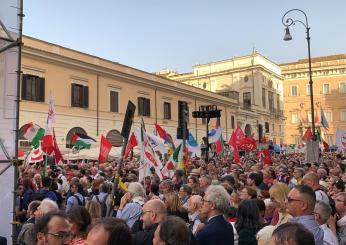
310	223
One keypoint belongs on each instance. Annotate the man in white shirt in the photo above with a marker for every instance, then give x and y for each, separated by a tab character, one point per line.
193	205
322	214
311	179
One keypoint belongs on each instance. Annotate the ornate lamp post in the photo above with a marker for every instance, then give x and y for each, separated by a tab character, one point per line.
287	22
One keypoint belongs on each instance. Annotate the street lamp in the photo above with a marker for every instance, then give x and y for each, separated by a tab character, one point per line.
287	22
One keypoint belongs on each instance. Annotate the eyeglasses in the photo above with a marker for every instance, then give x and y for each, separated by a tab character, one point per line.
62	235
149	211
289	199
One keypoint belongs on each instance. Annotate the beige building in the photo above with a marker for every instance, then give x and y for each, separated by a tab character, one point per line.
91	95
329	91
253	81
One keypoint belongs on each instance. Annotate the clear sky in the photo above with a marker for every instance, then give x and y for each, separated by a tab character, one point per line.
176	34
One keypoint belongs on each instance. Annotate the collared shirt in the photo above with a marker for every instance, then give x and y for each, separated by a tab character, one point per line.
310	223
329	236
194	222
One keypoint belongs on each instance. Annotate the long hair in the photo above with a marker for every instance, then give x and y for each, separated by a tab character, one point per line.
248	215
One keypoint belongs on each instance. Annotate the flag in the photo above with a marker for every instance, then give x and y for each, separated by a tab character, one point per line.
20	152
193	146
264	155
151	158
121	184
82	141
156	143
248	143
33	133
35	155
308	135
105	147
325	145
237	137
220	146
57	154
214	134
174	160
324	121
164	135
130	144
340	138
47	140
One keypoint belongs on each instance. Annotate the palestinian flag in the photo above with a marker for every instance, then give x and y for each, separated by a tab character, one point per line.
33	133
82	141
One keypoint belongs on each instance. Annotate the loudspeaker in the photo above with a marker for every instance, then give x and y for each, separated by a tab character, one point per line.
128	120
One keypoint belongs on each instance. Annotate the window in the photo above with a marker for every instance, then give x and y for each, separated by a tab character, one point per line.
342	87
307	89
309	116
32	88
143	106
166	110
247	100
295	118
204	121
79	95
328	115
271	101
264	97
232	122
278	102
266	126
343	116
294	90
273	128
114	101
326	89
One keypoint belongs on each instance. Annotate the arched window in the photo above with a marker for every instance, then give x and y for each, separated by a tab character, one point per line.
71	133
114	137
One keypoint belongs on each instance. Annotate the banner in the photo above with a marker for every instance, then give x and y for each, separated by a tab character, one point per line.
105	148
341	138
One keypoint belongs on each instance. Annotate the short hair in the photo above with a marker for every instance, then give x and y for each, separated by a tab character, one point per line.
46	182
292	233
193	178
301	171
312	176
207	178
41	224
308	194
173	231
251	191
228	178
47	205
105	187
94	209
117	230
218	195
136	189
256	177
33	206
343	194
80	216
324	210
187	189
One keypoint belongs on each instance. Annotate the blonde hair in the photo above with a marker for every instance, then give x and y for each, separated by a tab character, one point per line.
172	202
279	192
94	209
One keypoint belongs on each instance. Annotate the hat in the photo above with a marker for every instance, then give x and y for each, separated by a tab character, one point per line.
195	172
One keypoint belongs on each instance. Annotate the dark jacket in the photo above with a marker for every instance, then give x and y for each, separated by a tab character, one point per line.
217	231
144	237
247	236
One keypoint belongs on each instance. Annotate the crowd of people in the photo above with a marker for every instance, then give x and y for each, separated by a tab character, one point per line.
217	202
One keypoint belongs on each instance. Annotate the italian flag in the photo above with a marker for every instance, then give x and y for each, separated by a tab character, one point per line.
33	133
82	141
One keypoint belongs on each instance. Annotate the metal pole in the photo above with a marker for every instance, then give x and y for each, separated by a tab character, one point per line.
311	85
207	143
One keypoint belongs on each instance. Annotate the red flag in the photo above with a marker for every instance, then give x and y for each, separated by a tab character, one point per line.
325	145
130	144
308	135
265	154
58	157
20	152
232	141
164	135
248	144
105	148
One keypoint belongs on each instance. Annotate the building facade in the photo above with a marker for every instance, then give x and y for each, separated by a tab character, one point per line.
329	92
254	82
91	95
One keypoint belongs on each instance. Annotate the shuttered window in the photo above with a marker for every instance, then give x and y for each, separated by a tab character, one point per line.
143	106
33	88
114	101
79	95
166	110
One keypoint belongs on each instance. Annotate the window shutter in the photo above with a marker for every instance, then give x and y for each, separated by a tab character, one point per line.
24	81
85	98
148	107
41	89
72	94
139	106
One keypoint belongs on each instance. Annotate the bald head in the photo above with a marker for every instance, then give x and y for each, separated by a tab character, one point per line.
153	212
157	206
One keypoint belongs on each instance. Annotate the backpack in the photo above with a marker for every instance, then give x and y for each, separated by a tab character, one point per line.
103	205
80	203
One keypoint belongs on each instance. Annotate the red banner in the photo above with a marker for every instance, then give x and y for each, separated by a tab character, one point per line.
105	148
248	144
